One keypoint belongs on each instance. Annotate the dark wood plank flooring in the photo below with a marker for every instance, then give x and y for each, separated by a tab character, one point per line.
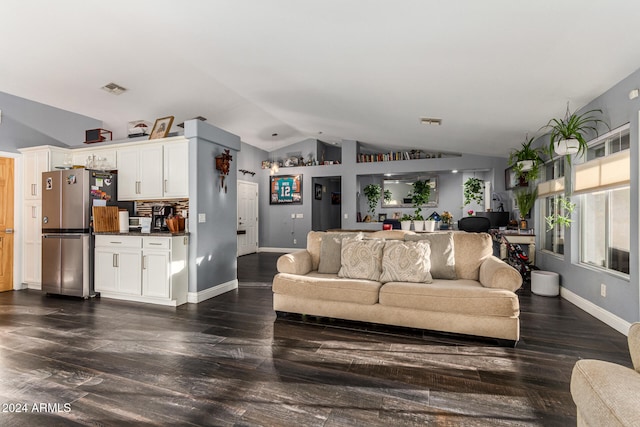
229	361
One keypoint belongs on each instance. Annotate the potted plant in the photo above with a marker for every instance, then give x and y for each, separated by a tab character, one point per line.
420	197
561	214
405	222
445	220
473	191
526	161
567	134
373	192
525	199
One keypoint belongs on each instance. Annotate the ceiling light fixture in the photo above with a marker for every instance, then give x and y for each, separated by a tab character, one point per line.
114	89
430	121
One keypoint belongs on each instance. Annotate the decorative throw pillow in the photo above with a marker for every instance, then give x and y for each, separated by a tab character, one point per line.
406	262
330	249
443	264
361	259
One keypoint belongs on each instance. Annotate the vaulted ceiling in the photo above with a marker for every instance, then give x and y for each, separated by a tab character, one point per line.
276	72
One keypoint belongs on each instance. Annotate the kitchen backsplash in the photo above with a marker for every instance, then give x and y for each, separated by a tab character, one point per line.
143	208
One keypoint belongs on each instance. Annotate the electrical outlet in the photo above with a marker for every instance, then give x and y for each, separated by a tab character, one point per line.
603	290
346	216
293	216
299	215
202	217
295	241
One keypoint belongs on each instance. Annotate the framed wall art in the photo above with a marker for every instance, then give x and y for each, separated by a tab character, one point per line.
285	189
317	191
161	127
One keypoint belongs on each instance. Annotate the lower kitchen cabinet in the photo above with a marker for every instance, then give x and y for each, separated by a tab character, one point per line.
142	268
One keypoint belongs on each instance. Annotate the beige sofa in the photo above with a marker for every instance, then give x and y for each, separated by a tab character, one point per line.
607	394
470	291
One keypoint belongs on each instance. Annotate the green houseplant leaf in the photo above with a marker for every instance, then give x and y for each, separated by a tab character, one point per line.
525	200
473	191
373	192
420	197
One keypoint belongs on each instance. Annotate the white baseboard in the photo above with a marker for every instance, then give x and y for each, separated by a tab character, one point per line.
284	250
599	313
37	286
214	291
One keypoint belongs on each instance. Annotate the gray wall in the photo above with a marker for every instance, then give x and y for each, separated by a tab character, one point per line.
623	297
325	214
213	247
250	159
27	124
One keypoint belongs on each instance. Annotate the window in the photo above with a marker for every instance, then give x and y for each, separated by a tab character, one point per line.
549	192
603	185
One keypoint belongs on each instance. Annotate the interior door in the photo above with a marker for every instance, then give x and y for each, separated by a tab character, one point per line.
6	223
247	217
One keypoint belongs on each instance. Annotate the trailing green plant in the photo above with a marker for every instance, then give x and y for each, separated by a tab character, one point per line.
561	214
373	192
516	157
525	199
574	126
473	191
420	197
387	195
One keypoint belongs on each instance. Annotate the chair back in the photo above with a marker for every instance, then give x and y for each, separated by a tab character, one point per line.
475	224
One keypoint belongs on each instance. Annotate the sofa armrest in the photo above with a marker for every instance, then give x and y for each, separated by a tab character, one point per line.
298	262
634	345
495	273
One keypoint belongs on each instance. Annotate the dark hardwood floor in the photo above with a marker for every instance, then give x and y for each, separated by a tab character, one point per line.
229	361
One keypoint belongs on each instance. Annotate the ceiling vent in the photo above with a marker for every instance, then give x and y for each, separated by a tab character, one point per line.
114	89
430	121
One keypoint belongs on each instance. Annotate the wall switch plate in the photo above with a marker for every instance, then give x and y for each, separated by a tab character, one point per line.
603	290
293	216
346	216
299	215
295	241
202	217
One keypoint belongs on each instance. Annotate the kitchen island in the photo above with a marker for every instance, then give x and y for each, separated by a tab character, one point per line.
142	267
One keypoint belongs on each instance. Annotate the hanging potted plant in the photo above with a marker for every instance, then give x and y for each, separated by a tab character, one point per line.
373	192
420	197
526	161
567	135
473	191
525	199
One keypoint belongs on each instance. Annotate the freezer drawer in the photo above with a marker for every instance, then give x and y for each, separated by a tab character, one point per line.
66	264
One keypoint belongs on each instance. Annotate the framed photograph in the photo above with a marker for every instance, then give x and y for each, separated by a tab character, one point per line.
285	189
161	128
382	217
317	190
336	198
511	180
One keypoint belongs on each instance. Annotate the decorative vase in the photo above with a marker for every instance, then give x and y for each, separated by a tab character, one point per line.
405	225
523	224
418	225
429	225
566	146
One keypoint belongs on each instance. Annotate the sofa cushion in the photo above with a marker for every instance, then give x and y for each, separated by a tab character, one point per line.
327	287
451	296
471	250
361	259
406	262
330	249
314	240
442	253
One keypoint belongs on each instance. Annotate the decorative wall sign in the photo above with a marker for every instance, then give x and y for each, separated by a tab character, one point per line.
285	189
317	191
223	162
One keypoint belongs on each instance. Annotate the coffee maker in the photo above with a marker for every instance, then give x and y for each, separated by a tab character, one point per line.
160	213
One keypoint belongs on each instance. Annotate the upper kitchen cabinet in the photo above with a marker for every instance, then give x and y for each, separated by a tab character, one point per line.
36	160
153	171
96	158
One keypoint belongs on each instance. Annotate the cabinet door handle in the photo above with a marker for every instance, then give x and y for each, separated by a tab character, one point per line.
137	187
115	260
33	212
155	244
144	262
34	189
164	187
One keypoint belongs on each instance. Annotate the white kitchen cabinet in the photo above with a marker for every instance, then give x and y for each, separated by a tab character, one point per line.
101	158
176	169
32	243
35	160
140	172
118	264
149	269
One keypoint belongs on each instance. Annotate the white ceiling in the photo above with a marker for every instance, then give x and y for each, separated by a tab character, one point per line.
366	70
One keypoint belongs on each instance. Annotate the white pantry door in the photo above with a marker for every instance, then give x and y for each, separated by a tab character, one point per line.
247	217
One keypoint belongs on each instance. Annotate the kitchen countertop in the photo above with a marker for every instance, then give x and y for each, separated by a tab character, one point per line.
137	233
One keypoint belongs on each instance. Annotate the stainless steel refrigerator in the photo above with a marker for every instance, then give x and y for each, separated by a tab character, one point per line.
67	243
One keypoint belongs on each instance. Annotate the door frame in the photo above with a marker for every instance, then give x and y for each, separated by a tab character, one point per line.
17	218
257	204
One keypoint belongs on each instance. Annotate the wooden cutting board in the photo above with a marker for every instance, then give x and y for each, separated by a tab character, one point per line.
105	219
